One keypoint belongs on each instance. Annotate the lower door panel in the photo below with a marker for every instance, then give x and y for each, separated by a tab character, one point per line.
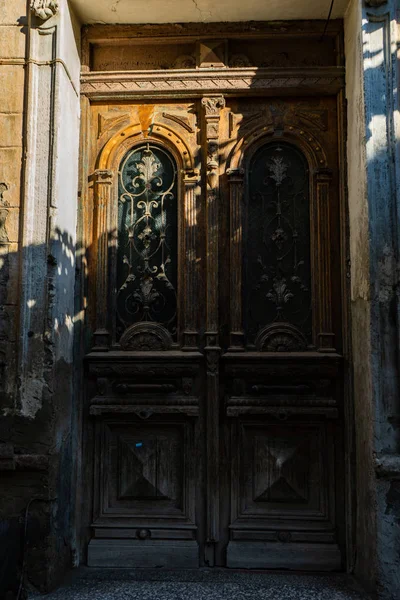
282	496
145	512
145	464
282	416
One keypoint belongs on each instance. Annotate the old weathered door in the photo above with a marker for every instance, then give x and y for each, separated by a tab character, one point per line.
214	382
280	299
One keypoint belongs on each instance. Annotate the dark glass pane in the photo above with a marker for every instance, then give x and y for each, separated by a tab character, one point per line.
278	270
147	239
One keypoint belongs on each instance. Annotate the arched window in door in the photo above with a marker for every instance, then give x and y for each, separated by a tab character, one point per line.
147	270
278	266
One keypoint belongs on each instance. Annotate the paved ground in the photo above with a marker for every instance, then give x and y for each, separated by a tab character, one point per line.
126	584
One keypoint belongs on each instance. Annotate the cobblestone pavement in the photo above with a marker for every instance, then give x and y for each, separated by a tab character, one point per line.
206	584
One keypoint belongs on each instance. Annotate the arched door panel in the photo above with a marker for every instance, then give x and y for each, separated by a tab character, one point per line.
147	255
277	263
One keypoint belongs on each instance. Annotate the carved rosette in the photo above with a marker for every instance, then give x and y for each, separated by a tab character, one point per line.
281	337
44	9
144	337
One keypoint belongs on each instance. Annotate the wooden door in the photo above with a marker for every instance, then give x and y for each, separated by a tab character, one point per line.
281	337
214	383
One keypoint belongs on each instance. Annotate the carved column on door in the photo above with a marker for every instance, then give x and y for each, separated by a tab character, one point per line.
326	338
235	178
212	106
102	189
191	180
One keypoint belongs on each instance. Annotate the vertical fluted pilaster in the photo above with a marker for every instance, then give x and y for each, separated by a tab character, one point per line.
190	335
212	106
326	338
235	178
102	189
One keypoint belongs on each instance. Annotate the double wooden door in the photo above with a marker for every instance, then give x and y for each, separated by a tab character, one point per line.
214	388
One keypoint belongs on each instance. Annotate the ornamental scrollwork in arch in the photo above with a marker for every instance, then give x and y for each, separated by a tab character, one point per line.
278	260
147	254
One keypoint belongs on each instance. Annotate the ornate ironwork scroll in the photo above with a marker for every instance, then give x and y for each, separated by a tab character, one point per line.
147	270
278	269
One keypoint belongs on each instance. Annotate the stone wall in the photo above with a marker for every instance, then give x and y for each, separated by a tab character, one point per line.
39	70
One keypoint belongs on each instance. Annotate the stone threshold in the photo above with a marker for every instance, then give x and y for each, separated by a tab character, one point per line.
204	584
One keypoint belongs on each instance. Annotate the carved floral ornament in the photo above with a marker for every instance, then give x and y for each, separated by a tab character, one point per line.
213	104
44	9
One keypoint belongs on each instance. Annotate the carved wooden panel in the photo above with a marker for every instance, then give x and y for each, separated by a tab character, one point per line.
144	470
191	45
149	468
141	57
283	492
281	471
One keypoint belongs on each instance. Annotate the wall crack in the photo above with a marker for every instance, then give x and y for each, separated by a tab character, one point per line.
201	12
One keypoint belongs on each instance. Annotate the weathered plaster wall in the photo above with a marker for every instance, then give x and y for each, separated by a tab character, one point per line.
370	38
38	422
12	53
360	297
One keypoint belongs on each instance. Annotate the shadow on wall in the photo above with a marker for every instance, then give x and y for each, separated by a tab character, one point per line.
39	433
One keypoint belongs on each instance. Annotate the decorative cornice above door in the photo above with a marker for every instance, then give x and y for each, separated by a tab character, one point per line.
159	61
196	82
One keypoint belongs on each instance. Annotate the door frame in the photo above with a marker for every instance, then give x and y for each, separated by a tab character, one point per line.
192	83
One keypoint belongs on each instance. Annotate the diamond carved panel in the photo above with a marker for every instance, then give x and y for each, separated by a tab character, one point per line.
144	469
149	467
283	471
